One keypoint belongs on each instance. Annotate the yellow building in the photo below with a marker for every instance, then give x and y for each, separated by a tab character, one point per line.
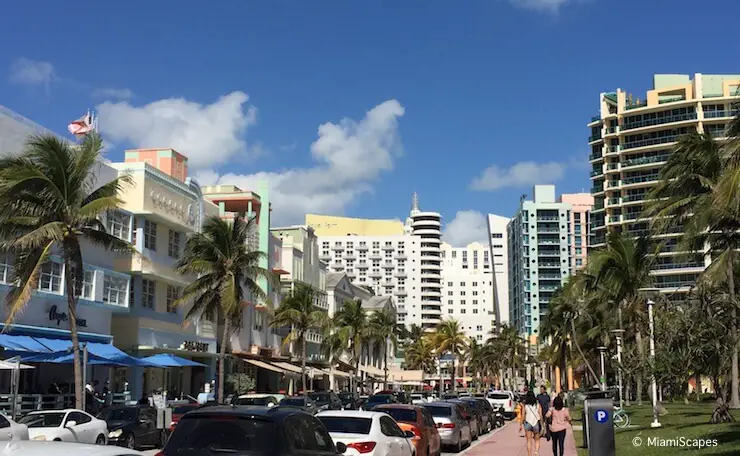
328	225
158	214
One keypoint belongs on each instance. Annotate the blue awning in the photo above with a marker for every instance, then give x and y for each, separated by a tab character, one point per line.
67	357
169	360
18	343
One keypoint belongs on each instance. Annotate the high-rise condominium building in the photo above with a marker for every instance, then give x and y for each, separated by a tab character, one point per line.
467	277
631	139
580	226
389	257
498	244
539	257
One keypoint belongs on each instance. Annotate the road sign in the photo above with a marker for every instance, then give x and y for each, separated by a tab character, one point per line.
602	416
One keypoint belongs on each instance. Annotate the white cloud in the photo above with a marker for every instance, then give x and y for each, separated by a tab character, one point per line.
209	135
118	94
32	72
520	174
467	227
350	156
547	6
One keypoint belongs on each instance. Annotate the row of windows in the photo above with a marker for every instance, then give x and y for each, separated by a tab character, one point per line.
350	244
120	225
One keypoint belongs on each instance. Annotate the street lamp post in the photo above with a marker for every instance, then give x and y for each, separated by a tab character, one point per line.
602	350
656	422
618	333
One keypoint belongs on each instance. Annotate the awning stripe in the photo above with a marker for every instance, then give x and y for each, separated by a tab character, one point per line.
264	365
288	367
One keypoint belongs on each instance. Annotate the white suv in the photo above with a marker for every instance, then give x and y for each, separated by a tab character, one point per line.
503	399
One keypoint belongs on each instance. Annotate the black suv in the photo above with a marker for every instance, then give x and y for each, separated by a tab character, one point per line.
350	401
257	431
326	400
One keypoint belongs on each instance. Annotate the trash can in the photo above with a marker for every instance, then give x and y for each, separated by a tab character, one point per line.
598	430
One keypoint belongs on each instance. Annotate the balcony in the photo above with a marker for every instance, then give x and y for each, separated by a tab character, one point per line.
645	160
597	189
400	291
660	121
348	256
400	274
375	274
548	264
548	218
362	266
389	247
388	265
361	247
337	247
651	142
593	138
375	256
594	156
634	197
325	257
721	114
641	179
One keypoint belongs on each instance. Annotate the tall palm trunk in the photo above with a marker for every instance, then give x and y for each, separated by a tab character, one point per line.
578	347
222	360
72	309
735	389
441	382
638	373
302	340
385	364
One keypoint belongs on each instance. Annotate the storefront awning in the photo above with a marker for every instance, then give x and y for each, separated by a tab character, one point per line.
19	343
288	367
338	373
264	365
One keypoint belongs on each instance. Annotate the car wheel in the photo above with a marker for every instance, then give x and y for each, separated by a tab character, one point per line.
57	440
489	428
100	440
130	442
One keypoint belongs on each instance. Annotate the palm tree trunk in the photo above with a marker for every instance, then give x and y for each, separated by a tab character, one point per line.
222	360
453	386
638	374
441	383
72	309
627	389
303	362
735	388
385	364
578	346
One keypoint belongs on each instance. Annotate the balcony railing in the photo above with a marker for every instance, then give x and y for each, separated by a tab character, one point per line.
597	173
597	189
646	160
639	179
659	121
651	141
720	114
631	198
594	137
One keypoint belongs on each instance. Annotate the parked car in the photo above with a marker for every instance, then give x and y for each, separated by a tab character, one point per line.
418	399
304	403
483	410
452	424
261	400
257	431
133	426
377	399
420	422
10	430
449	395
473	418
38	448
503	399
178	411
66	426
350	401
367	432
326	400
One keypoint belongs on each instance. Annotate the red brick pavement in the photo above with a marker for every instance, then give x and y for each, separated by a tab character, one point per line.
509	442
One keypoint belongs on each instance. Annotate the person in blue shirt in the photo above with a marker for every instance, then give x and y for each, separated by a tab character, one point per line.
544	399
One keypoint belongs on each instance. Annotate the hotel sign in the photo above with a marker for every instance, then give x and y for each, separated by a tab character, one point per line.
194	345
54	315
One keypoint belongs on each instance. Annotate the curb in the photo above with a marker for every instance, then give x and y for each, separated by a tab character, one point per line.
488	436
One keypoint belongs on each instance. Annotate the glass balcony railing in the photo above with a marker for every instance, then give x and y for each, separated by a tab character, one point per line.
631	215
597	189
613	149
639	179
597	173
684	265
671	99
646	160
631	198
651	141
658	121
548	218
636	105
598	206
594	137
612	166
611	130
614	200
720	114
595	118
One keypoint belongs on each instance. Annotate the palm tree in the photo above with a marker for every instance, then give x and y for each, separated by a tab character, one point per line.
351	325
50	201
511	344
383	328
228	273
696	198
299	312
419	355
450	338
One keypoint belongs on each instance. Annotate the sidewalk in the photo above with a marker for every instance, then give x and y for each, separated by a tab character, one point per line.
508	442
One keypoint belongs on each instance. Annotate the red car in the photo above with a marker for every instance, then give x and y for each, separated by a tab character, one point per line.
418	420
179	411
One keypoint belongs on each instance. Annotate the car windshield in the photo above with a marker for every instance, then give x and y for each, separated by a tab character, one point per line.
380	399
183	409
118	414
498	396
320	398
437	410
401	414
345	425
254	401
42	420
300	401
212	434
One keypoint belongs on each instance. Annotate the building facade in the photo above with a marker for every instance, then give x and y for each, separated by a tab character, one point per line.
539	257
580	226
631	140
499	246
467	277
158	213
427	227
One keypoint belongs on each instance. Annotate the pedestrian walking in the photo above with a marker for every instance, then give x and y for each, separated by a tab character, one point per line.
520	414
560	416
533	425
544	400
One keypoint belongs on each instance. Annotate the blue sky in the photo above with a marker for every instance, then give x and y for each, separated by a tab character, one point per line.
348	107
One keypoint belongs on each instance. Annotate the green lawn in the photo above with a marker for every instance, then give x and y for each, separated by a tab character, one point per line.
688	421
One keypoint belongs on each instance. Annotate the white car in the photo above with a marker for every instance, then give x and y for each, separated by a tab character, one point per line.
10	430
66	426
418	399
262	400
35	448
505	399
367	433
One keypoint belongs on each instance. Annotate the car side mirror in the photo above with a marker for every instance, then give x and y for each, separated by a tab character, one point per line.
70	424
341	447
270	405
410	434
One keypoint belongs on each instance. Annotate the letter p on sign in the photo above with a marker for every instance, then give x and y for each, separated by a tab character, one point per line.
602	416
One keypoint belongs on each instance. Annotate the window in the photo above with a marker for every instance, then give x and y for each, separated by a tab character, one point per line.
88	279
479	328
51	277
119	225
148	293
450	293
150	235
475	311
462	311
114	290
174	245
6	268
449	284
173	293
497	236
579	250
449	311
462	284
579	262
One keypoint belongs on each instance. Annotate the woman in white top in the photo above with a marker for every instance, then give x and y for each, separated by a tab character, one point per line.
532	423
